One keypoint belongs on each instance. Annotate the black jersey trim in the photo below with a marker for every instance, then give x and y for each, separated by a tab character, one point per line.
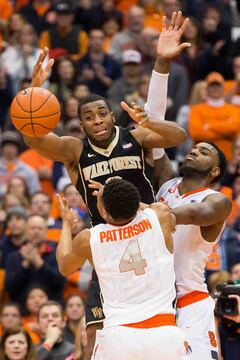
144	174
84	188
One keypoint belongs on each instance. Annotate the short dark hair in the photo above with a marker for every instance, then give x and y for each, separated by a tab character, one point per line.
11	304
51	303
89	99
121	199
222	162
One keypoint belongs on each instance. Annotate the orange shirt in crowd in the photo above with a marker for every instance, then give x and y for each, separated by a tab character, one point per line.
216	124
37	161
29	323
153	18
124	5
6	9
82	43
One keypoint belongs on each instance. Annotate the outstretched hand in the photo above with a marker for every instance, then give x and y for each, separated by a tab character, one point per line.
68	215
41	74
135	112
96	186
169	43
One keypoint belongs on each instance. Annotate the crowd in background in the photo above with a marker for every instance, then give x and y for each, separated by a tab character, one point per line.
107	47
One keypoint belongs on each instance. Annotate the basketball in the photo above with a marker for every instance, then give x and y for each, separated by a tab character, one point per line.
35	111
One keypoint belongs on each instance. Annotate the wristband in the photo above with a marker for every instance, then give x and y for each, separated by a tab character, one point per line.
47	346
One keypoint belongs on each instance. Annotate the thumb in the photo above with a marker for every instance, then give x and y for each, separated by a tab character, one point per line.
184	45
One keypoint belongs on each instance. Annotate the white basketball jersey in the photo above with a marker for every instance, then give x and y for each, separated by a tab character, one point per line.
134	268
190	249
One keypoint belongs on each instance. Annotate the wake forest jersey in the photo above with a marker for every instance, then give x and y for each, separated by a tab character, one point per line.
124	157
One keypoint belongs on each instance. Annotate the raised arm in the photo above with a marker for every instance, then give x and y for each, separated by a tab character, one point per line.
169	46
71	253
211	211
64	149
156	134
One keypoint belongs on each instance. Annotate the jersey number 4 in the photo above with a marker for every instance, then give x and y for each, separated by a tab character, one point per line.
132	259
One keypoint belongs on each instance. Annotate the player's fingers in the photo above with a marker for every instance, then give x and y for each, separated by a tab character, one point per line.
49	65
125	107
178	20
95	193
65	203
172	22
185	45
164	23
184	26
95	184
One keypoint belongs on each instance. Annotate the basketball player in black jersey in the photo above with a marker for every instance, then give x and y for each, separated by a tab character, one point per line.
108	150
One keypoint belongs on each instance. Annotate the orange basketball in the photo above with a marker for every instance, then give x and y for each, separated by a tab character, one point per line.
35	111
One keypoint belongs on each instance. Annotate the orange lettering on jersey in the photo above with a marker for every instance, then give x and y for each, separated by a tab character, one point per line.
103	236
125	232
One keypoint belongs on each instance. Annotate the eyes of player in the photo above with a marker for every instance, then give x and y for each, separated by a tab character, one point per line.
91	117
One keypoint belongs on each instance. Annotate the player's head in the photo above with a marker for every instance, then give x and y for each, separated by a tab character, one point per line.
97	119
118	201
205	161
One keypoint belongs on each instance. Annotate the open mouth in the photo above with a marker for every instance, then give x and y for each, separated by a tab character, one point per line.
101	132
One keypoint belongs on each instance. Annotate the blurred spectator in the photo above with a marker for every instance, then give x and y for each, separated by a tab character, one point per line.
16	344
40	14
80	342
97	69
11	165
128	82
17	186
41	205
232	87
80	90
110	28
70	109
232	247
43	167
198	95
6	95
13	29
132	36
91	15
217	34
153	14
20	59
51	324
16	222
10	317
215	120
235	271
189	58
216	278
63	78
6	9
169	6
35	298
11	200
34	264
74	312
65	35
150	38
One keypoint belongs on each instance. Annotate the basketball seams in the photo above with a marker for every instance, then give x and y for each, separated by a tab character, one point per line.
31	112
34	117
32	124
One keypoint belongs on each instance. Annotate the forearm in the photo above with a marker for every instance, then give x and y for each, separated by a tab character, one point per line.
64	247
156	105
170	134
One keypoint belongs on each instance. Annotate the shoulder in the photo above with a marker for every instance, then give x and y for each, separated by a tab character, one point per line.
218	199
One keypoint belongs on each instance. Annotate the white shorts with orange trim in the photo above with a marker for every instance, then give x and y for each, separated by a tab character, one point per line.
197	321
159	343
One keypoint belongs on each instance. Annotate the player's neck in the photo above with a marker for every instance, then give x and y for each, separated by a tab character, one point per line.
191	184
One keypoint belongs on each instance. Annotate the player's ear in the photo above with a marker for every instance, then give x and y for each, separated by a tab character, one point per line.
215	171
113	117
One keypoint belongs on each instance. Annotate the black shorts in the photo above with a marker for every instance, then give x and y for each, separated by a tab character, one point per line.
94	311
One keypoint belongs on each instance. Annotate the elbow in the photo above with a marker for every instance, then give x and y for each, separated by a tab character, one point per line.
64	270
182	135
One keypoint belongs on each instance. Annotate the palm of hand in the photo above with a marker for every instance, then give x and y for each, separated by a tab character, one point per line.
169	44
